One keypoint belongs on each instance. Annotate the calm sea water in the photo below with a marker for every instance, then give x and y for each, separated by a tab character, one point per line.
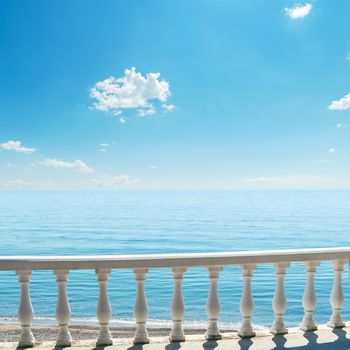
127	222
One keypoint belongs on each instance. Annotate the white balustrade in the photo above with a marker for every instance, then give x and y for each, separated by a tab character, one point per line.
337	297
247	304
214	262
104	311
213	305
63	313
141	308
25	310
177	307
279	300
309	298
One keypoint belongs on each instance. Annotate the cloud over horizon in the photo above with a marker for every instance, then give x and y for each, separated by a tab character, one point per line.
132	91
17	184
110	181
60	164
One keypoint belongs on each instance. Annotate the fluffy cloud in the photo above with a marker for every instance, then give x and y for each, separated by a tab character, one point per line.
60	164
298	11
342	104
131	91
146	112
110	181
17	147
167	108
331	150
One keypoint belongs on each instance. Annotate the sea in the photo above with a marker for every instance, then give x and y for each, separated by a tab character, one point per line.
78	222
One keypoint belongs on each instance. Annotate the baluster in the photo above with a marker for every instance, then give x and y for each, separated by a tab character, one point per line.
309	298
25	310
177	307
63	309
213	305
141	308
337	297
247	304
104	311
279	299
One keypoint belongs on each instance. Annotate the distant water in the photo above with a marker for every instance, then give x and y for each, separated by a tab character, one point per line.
132	222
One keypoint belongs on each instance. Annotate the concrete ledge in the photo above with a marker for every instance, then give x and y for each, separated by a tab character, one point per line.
322	339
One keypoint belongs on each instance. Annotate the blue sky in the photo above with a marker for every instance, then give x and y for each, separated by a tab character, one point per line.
250	94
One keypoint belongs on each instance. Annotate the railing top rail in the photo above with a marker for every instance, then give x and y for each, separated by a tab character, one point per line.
8	263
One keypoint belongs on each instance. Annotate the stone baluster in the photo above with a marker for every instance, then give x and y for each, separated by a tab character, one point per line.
104	311
141	308
25	310
279	299
63	312
213	305
247	304
337	296
177	307
309	298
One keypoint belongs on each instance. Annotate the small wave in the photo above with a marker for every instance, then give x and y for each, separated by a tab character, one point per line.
126	322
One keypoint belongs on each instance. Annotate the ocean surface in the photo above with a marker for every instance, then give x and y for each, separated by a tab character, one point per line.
133	222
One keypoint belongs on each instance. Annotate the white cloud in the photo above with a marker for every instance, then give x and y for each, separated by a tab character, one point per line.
288	179
265	179
342	104
122	120
167	107
17	147
110	181
131	91
146	112
298	11
60	164
103	146
331	150
27	184
343	126
298	181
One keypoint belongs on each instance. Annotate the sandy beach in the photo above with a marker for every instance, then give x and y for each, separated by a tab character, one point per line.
10	333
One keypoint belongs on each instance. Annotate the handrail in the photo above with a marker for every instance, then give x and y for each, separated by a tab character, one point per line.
178	263
8	263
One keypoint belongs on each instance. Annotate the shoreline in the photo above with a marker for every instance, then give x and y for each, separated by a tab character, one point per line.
11	332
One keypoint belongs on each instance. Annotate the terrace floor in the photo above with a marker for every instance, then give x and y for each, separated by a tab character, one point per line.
323	339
